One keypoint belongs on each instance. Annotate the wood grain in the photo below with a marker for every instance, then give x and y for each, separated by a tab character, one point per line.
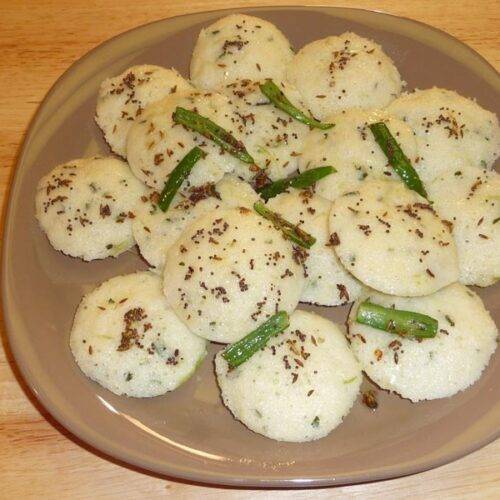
38	458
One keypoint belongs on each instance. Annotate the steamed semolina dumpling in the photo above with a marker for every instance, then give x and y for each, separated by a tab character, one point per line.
273	138
156	144
156	231
451	131
392	240
327	281
123	98
229	272
126	338
469	198
344	71
86	207
427	368
239	46
299	387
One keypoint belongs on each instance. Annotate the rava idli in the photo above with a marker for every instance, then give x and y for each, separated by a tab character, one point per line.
451	130
344	71
156	144
327	281
126	338
431	368
122	99
229	272
86	207
299	387
351	148
239	46
272	137
470	199
156	231
391	239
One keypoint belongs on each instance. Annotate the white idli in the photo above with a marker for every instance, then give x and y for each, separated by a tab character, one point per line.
351	148
391	239
272	137
155	144
229	272
86	207
436	367
451	130
239	46
344	71
122	99
469	199
125	338
235	193
299	387
156	231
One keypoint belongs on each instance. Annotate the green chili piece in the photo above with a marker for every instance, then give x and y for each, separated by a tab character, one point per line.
404	323
300	181
212	131
289	230
398	160
177	177
279	99
240	351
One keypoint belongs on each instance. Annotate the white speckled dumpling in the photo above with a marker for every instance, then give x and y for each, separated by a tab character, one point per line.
437	367
327	281
344	71
391	239
470	199
271	136
229	272
125	338
122	99
299	387
239	46
156	231
451	130
351	148
155	144
86	207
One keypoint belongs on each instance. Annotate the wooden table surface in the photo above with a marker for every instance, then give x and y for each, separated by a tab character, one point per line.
39	40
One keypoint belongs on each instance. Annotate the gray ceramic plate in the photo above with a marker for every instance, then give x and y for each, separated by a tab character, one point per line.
188	433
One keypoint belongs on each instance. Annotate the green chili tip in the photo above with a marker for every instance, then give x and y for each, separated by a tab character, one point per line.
279	99
396	157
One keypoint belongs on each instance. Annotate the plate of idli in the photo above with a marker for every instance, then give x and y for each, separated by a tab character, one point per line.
260	247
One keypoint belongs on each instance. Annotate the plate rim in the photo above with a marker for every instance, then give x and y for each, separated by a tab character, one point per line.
117	451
